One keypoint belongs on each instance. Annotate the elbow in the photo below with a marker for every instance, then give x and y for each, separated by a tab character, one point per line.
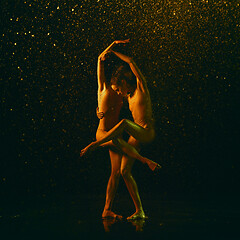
131	61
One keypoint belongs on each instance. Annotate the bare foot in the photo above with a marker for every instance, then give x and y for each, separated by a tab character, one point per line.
110	215
153	165
88	148
137	215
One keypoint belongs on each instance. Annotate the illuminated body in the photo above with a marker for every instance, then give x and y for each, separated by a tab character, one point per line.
109	104
110	130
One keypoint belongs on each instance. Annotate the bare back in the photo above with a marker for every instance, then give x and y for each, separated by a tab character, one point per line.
110	103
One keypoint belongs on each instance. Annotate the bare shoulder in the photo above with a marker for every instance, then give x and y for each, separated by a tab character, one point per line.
105	90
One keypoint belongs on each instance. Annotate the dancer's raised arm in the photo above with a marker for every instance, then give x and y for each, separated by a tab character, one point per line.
100	73
141	80
101	59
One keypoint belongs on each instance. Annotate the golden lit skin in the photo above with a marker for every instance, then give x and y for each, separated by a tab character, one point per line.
140	131
109	105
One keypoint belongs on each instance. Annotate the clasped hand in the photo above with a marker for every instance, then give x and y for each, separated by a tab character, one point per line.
103	55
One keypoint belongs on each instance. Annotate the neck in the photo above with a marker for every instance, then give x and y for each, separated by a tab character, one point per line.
131	91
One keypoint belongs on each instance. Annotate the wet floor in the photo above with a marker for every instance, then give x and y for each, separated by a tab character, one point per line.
80	218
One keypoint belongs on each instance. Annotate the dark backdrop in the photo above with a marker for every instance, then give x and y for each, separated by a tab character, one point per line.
189	53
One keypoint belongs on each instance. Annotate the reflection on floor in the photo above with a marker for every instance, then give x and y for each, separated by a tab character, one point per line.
138	224
78	217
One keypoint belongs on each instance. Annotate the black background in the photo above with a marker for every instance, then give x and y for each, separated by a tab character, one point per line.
189	53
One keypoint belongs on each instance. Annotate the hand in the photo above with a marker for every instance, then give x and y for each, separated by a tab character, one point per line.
103	55
100	115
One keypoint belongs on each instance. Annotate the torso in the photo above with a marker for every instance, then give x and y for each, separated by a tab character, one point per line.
110	103
141	108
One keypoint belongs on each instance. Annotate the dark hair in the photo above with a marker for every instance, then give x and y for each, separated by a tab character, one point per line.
120	74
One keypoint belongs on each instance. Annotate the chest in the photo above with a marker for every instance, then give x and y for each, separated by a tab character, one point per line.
109	99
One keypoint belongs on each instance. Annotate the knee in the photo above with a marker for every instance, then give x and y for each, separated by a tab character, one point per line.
126	173
116	141
124	122
115	174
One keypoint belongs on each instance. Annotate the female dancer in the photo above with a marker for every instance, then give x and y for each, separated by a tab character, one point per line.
140	131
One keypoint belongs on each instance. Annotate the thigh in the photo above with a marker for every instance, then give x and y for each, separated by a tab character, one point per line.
134	142
138	132
114	153
100	134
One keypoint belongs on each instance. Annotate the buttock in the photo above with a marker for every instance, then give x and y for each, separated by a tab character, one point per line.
100	133
149	135
134	142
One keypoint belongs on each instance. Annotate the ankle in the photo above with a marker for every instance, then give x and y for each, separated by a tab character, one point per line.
106	210
139	210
